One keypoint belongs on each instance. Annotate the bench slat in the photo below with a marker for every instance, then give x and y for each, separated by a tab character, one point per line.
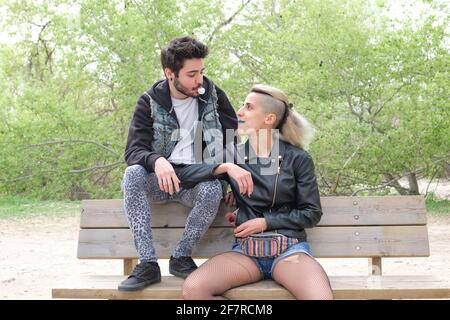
394	210
344	287
379	241
357	227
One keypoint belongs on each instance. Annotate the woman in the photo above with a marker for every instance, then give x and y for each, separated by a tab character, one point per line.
275	189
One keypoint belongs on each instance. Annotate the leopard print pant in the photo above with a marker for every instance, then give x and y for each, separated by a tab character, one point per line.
141	188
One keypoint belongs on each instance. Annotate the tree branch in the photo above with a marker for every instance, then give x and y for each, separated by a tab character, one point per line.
228	21
17	179
396	179
72	142
145	15
432	177
250	65
111	165
335	185
381	106
350	105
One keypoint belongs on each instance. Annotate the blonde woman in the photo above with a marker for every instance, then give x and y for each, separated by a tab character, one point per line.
275	189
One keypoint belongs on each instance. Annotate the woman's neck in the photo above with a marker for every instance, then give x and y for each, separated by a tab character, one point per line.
262	142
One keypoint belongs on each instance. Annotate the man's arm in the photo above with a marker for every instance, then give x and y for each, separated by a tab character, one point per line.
140	135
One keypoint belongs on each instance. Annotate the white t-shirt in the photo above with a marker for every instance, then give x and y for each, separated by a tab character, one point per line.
187	115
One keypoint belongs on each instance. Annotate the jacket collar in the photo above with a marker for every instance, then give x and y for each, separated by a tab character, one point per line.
245	152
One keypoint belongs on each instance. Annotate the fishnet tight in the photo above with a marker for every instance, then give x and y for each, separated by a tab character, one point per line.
218	274
302	275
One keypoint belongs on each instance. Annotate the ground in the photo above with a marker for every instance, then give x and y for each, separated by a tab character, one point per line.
38	253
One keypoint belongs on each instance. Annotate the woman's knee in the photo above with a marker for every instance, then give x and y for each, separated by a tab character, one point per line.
195	289
134	177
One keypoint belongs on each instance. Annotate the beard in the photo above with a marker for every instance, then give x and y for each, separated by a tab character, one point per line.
184	90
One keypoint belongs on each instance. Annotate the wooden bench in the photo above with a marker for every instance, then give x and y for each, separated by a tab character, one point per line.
351	227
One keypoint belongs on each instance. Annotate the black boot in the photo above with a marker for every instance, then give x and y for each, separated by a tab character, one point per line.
182	266
143	275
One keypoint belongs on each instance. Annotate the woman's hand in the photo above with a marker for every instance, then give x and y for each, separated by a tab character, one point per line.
249	227
241	176
231	218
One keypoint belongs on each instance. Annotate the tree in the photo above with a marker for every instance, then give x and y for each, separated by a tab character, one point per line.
375	89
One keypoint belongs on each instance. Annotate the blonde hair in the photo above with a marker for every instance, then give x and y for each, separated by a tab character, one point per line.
294	128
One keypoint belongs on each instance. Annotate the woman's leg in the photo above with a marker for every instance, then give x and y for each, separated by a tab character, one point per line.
303	276
219	274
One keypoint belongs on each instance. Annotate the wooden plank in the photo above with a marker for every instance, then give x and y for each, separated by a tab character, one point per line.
337	211
128	265
373	210
388	241
344	287
375	266
110	214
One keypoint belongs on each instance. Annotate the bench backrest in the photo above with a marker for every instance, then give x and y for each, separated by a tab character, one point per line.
372	227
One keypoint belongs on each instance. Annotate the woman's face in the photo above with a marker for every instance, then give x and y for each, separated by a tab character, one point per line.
252	117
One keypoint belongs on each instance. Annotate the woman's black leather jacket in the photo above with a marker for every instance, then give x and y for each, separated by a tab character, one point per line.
288	174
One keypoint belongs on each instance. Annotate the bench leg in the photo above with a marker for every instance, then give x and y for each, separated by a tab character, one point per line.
128	265
375	266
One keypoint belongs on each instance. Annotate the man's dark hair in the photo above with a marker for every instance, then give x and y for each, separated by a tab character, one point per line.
180	49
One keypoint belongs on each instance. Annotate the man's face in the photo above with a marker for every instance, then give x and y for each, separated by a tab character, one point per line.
189	79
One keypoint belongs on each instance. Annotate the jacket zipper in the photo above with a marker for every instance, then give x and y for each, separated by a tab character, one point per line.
275	188
276	183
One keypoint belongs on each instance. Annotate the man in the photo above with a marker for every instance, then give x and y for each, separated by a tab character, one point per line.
168	121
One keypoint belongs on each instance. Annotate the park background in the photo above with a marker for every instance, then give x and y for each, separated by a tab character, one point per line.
372	77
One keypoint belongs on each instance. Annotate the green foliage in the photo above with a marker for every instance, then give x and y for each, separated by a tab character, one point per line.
437	206
24	208
375	89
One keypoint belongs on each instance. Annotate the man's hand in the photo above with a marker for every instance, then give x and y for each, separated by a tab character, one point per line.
249	227
167	179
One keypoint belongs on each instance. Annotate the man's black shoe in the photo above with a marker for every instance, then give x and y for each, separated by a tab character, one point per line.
143	275
182	266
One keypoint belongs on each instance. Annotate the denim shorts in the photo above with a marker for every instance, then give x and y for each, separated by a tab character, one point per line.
266	265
